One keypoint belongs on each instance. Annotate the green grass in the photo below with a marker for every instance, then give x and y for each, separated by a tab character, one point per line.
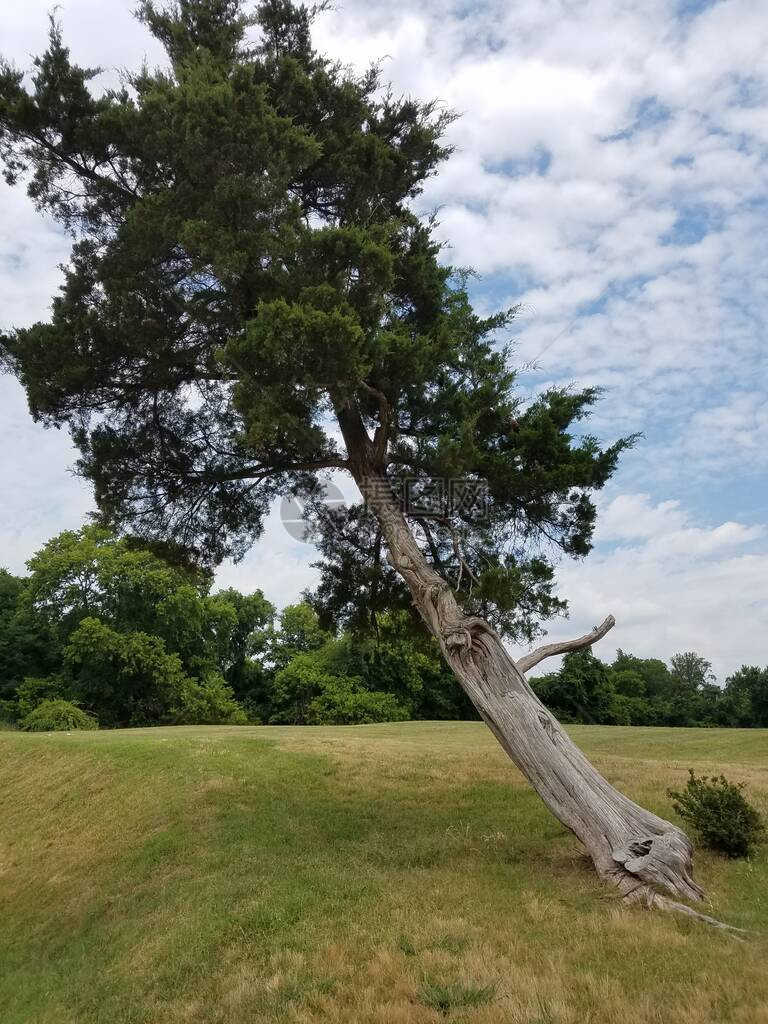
394	874
451	997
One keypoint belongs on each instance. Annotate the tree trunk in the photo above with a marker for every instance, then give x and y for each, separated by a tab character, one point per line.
630	847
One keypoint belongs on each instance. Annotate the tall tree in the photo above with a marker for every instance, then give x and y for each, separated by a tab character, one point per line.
746	697
248	282
28	647
691	670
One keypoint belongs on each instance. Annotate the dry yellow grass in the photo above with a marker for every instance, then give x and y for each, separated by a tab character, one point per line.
398	874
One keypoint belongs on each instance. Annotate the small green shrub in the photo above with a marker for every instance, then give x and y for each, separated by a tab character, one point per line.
720	813
57	716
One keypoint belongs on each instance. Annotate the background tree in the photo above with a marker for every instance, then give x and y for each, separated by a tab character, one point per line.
643	691
653	671
691	670
694	691
27	645
242	650
136	639
248	281
745	699
298	632
582	691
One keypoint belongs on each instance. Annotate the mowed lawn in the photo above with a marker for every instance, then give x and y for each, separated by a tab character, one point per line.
396	874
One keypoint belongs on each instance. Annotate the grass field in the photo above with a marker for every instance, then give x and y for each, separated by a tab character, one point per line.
399	874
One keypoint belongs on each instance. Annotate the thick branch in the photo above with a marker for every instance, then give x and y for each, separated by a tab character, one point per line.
565	646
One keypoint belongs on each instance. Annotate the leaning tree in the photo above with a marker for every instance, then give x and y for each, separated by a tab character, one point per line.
251	301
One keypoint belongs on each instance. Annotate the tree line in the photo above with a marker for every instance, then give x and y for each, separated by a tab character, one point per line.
647	691
136	636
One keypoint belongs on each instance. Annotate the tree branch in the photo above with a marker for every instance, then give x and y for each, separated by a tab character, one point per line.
565	646
80	169
261	472
381	436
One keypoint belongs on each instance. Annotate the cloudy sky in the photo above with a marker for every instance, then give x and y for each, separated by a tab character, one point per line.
610	175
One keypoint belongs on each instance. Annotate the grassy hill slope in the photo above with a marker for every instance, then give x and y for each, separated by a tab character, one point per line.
399	874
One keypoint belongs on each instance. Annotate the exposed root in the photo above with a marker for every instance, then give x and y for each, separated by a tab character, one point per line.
664	903
652	862
644	895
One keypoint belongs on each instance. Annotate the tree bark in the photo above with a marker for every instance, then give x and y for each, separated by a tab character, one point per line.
631	848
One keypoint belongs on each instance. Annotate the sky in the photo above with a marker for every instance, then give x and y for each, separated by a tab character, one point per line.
609	176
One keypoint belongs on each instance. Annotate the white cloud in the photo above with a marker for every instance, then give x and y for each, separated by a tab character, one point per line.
632	516
731	433
672	585
40	497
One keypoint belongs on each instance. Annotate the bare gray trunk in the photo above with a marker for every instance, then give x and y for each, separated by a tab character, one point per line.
631	848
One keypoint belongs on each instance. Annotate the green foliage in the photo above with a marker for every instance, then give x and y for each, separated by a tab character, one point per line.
133	680
583	691
653	671
345	701
27	644
210	701
241	651
395	673
57	716
299	632
400	658
31	692
129	677
643	691
691	670
134	633
92	573
745	700
314	689
295	686
720	813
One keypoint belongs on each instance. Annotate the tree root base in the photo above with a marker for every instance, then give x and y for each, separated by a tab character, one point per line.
644	896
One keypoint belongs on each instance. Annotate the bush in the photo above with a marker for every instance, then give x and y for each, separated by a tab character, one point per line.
57	716
720	813
208	702
32	691
344	701
129	678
